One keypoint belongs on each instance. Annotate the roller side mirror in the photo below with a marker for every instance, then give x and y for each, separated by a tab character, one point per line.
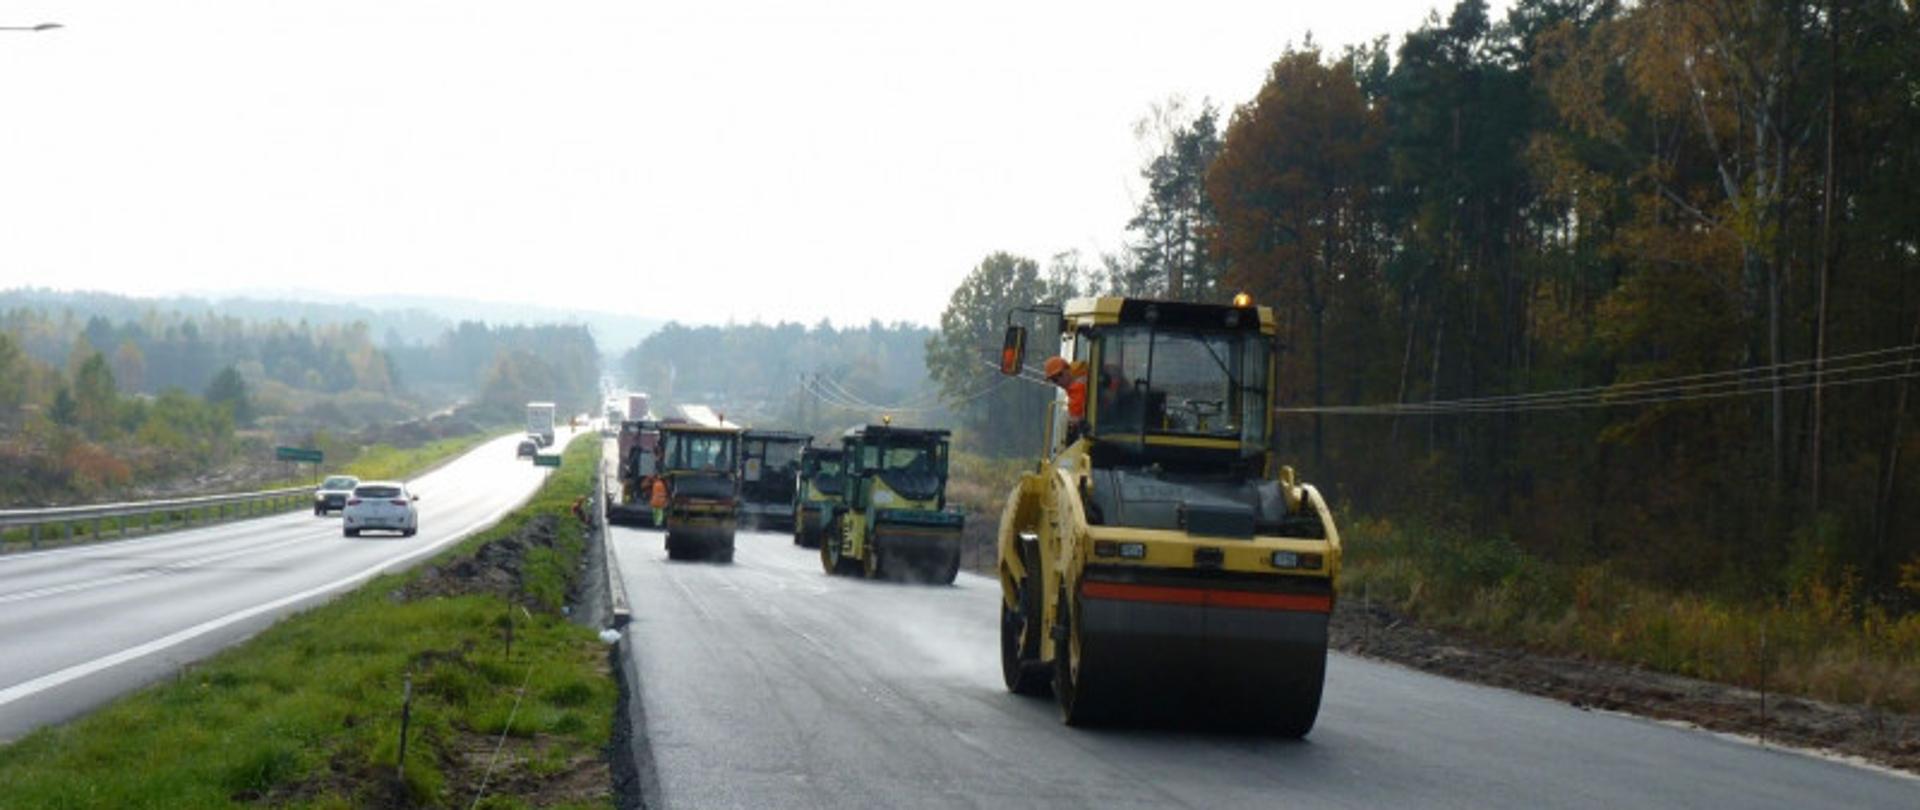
1013	352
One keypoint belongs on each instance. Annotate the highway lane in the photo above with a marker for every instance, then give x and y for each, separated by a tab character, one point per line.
767	684
80	626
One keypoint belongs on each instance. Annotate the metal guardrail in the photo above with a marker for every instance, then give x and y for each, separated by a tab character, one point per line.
208	509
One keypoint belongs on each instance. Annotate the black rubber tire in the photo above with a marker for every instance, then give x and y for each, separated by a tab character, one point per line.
350	532
676	550
1077	706
1022	672
834	562
408	533
873	566
949	573
830	549
724	553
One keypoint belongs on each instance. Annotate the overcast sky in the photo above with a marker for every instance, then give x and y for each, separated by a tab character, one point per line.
704	161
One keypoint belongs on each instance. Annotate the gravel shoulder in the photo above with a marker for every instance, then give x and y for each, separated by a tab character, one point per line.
1883	738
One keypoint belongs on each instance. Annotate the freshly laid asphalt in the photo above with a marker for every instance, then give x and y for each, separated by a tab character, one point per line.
766	683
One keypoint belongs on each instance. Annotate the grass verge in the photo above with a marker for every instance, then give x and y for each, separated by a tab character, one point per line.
308	713
1821	642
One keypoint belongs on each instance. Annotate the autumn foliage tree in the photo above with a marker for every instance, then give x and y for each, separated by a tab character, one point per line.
1296	173
1588	194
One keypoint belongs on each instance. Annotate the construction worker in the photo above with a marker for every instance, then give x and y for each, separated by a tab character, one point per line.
1072	378
1061	373
658	501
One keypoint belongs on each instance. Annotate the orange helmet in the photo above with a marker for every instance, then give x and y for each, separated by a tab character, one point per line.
1055	365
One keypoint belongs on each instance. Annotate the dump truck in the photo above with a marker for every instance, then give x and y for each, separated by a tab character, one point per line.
701	466
894	522
769	474
817	495
1160	558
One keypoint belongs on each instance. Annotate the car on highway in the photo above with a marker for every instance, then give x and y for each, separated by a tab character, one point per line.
529	447
381	505
332	494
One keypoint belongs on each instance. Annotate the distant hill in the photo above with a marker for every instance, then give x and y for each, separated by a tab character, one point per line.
399	320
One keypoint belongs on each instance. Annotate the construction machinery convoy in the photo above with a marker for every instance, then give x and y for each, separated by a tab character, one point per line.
1159	556
817	494
769	474
701	467
893	520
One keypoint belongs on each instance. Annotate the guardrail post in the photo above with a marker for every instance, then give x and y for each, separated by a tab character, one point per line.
68	527
33	536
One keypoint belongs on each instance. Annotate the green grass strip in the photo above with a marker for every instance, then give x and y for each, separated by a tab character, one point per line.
308	713
1818	642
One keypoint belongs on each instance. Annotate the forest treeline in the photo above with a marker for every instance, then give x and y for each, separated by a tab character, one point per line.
90	404
1582	194
787	374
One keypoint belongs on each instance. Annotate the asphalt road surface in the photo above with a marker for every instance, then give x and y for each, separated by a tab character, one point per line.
768	684
81	626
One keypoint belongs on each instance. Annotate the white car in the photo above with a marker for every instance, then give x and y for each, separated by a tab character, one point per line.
382	505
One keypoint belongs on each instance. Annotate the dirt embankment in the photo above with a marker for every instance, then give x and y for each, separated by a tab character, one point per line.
1885	738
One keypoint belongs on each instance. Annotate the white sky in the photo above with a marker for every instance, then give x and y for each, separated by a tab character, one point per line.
696	160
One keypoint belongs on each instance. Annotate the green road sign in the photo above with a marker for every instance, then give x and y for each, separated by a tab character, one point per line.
546	460
300	454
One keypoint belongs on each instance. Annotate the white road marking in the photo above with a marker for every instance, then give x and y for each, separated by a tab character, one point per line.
168	568
52	680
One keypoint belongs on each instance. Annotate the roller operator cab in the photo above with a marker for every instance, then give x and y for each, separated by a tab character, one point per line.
893	521
701	466
818	494
1159	561
769	472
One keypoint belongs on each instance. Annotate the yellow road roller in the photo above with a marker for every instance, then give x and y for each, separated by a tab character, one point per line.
1159	560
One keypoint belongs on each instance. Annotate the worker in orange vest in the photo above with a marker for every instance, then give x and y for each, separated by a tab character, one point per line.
659	501
1074	381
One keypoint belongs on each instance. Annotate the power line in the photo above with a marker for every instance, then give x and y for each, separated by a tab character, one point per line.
838	395
1790	376
1626	387
1671	393
812	386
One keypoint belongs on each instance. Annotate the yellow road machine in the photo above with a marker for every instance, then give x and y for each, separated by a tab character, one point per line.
701	465
1159	560
892	520
818	494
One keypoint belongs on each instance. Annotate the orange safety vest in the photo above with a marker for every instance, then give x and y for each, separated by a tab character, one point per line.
1077	399
659	500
